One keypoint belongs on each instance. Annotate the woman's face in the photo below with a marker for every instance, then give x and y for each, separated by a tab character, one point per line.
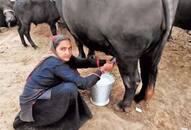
64	50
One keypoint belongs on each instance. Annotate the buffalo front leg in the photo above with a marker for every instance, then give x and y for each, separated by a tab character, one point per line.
128	71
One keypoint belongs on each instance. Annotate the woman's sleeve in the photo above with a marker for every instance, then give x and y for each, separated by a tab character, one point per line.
68	74
85	63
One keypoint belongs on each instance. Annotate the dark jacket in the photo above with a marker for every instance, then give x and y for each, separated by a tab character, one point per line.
51	72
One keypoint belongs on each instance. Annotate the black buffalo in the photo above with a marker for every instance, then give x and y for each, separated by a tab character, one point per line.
2	20
183	15
182	20
35	11
7	17
129	30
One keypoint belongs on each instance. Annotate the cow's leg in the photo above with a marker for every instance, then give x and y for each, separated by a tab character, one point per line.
53	28
27	34
128	70
21	31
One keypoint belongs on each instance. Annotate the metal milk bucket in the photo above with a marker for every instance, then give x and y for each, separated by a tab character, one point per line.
100	92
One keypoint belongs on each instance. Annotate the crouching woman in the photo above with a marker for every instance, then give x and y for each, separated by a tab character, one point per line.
50	99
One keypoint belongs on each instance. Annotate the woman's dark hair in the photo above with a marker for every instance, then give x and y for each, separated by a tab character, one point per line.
58	38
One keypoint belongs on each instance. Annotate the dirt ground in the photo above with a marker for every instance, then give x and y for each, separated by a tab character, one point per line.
170	109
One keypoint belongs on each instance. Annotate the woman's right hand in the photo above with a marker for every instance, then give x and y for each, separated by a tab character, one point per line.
107	67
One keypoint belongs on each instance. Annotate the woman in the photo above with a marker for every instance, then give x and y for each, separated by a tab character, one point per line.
50	100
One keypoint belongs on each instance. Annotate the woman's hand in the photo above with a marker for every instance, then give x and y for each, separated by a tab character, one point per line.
107	67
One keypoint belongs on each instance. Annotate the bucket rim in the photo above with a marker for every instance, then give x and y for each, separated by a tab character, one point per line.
100	104
106	75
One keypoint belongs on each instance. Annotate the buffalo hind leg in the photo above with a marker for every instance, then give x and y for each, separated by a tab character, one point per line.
21	34
149	68
27	34
128	72
148	76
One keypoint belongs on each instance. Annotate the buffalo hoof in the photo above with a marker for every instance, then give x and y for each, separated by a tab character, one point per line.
3	29
118	108
138	98
144	105
121	107
35	47
25	45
